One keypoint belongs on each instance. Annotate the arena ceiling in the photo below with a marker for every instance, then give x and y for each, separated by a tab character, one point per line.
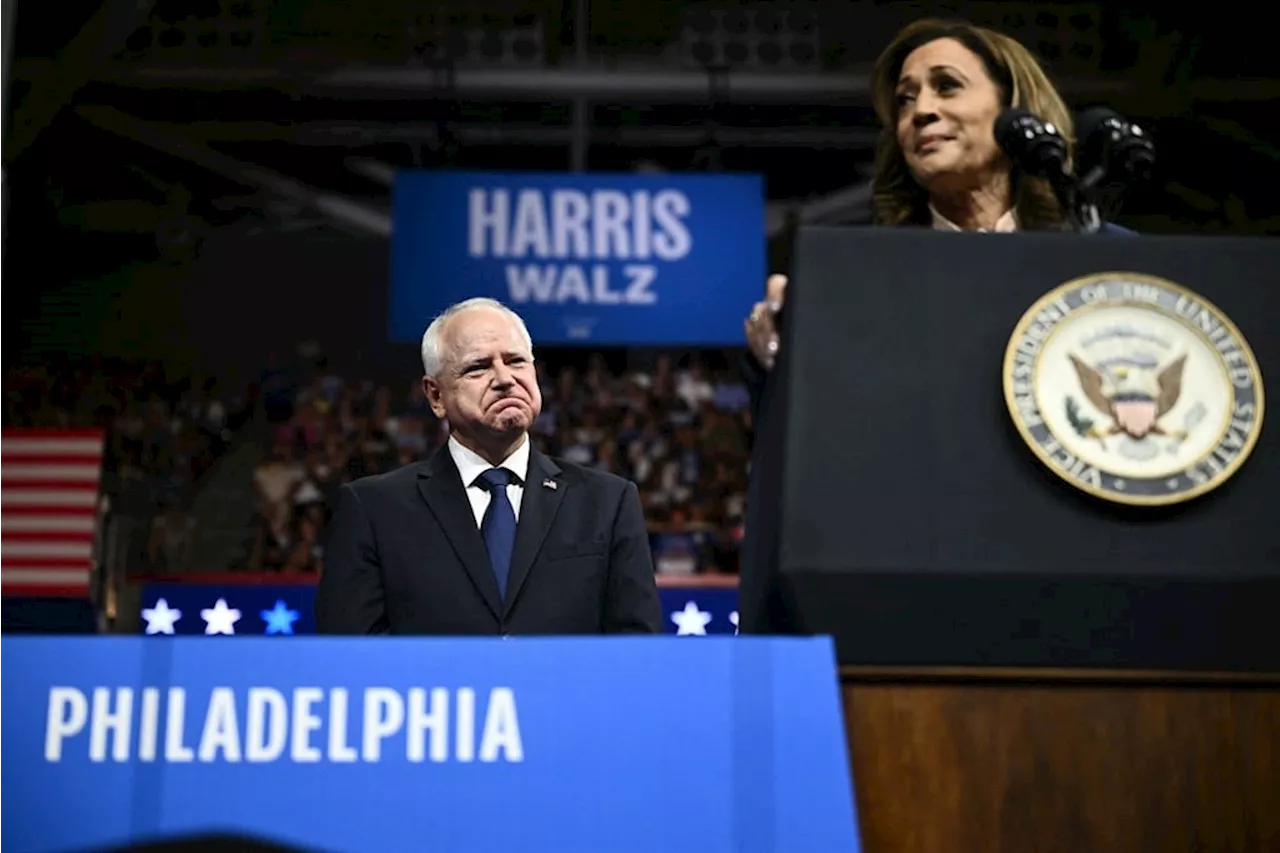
147	118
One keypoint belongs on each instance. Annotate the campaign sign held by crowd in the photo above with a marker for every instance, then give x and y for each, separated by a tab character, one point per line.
387	744
615	259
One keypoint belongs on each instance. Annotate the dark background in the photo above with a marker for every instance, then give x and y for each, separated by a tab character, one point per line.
169	163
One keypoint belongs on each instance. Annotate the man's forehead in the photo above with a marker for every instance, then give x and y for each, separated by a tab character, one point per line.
478	322
483	330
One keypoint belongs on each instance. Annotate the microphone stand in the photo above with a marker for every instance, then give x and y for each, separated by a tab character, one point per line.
1083	214
1076	197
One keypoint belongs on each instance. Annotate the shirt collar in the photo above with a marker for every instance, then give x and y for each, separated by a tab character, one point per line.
471	465
1005	224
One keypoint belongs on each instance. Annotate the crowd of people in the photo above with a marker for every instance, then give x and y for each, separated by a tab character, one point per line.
676	426
162	430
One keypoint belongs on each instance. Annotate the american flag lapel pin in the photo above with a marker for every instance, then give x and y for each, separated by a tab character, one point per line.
550	484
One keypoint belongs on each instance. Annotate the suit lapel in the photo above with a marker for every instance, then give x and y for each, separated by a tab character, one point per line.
542	496
441	487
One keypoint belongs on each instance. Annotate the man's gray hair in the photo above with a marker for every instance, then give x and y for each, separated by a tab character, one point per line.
433	358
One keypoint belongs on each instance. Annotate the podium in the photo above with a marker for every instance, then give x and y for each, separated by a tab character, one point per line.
406	744
1028	484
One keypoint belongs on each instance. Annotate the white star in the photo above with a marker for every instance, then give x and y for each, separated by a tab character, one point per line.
733	617
220	619
160	618
691	620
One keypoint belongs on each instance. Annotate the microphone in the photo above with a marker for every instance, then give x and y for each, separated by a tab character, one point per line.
1038	148
1112	147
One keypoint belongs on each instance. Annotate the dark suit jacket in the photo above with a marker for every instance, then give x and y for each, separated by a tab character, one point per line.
403	555
762	604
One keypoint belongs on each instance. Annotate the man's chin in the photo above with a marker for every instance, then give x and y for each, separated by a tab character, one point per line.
511	422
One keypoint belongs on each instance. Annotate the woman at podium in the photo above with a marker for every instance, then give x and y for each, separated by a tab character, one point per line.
938	89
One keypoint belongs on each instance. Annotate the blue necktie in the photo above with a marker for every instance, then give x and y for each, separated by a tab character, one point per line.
499	525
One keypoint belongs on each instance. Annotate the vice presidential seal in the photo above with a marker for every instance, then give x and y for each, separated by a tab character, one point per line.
1133	388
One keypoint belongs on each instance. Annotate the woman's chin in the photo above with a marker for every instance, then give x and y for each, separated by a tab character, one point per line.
939	166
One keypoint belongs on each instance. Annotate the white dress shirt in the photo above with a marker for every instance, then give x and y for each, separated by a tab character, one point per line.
471	466
1005	224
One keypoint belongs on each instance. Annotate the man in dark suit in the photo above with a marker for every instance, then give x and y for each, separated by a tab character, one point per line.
489	536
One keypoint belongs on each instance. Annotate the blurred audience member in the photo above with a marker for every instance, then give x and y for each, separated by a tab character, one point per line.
172	535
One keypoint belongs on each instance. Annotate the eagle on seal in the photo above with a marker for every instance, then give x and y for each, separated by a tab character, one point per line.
1134	396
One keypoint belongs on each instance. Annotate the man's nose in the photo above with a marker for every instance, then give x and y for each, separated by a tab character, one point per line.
502	375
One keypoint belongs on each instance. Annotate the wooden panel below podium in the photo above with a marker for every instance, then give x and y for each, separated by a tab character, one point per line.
1046	761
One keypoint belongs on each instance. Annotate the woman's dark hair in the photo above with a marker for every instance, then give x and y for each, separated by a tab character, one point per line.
897	198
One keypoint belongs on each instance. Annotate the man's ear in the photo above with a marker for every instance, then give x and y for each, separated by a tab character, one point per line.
432	389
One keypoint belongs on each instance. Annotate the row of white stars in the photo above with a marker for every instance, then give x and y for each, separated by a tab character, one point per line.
693	620
221	619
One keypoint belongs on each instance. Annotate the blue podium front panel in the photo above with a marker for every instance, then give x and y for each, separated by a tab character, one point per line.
387	744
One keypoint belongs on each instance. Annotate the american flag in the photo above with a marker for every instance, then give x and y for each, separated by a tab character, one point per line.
48	509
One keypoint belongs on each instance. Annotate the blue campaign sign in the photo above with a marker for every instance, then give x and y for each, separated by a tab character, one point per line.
289	609
617	259
387	744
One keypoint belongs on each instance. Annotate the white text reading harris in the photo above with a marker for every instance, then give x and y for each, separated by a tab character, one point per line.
564	224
